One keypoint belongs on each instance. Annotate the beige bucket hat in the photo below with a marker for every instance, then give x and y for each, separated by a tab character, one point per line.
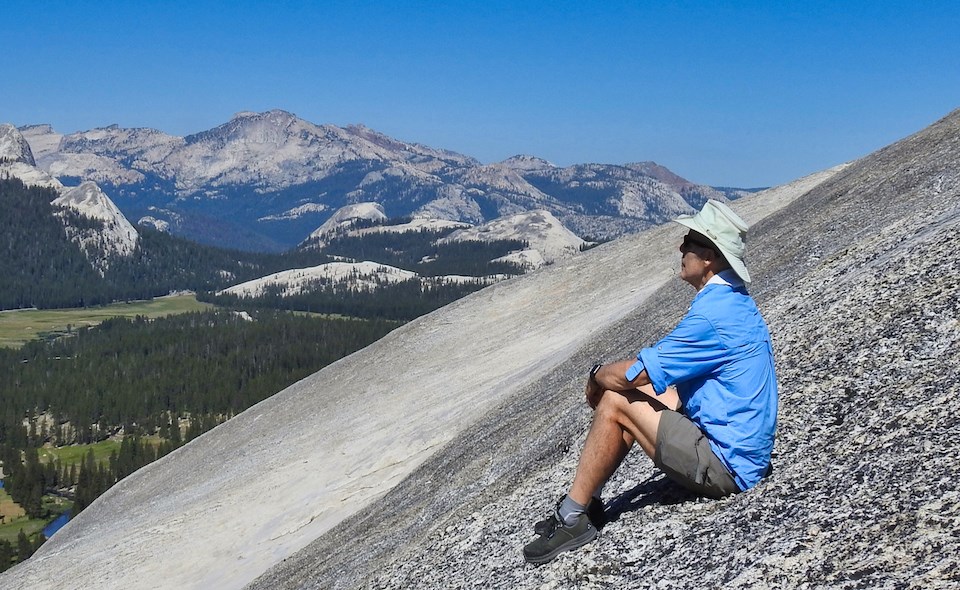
728	232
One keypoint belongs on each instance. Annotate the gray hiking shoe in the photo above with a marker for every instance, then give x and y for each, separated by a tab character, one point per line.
595	512
561	538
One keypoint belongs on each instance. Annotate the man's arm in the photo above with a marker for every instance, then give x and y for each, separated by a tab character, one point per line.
612	377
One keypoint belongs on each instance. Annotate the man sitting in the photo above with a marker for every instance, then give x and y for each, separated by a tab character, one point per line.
701	402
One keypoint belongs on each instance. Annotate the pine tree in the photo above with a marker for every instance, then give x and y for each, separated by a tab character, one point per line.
6	555
24	548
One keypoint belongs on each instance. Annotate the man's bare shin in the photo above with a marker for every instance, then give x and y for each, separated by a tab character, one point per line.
605	448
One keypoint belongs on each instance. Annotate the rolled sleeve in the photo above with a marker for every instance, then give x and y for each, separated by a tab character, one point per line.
691	350
635	369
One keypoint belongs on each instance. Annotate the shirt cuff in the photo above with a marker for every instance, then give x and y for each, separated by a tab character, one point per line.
649	361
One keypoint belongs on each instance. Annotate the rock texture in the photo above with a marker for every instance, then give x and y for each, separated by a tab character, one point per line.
423	460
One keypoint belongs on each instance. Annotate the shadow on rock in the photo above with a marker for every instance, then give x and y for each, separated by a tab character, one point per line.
658	489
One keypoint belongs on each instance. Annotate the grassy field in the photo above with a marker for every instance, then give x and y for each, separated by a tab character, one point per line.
14	518
74	454
23	325
9	509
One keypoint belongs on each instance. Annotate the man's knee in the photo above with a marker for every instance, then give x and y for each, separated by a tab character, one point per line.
611	406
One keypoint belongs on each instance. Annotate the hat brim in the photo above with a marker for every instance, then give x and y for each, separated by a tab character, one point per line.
733	260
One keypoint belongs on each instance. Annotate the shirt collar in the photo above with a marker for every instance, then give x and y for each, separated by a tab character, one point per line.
726	277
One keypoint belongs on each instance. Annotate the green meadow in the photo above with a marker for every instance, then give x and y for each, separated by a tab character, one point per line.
20	326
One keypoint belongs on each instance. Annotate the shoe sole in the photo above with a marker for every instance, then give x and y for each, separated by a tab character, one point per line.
568	546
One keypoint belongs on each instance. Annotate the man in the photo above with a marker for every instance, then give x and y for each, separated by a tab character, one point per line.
701	403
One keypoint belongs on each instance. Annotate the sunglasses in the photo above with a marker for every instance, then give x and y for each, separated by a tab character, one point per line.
689	240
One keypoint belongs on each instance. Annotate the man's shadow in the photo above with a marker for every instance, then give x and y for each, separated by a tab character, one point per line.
657	489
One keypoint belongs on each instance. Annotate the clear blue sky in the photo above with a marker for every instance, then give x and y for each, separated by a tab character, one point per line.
732	93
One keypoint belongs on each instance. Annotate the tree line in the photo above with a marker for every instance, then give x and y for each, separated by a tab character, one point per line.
138	375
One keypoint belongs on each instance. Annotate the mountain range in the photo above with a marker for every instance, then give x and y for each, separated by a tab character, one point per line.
429	470
265	181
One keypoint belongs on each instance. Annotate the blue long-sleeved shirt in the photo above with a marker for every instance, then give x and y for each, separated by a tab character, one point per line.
720	359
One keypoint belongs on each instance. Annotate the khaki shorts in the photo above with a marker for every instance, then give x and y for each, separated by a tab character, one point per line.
684	454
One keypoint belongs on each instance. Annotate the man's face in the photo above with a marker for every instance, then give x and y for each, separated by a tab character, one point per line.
695	256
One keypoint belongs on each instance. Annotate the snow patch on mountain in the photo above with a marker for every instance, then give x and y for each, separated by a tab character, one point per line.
540	229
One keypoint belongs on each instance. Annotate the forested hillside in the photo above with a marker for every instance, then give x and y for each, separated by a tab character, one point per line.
39	266
166	381
43	269
139	374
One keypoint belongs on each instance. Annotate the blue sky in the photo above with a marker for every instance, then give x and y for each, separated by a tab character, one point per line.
724	93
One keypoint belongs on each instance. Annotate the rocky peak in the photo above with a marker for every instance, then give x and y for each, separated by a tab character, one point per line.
659	172
118	142
346	216
13	146
43	140
273	127
526	163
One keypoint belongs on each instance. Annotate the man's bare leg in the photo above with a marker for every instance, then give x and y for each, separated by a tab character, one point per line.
620	420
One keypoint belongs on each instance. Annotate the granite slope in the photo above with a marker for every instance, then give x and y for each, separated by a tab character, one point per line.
860	283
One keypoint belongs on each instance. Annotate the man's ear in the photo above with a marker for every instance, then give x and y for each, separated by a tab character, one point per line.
710	255
717	261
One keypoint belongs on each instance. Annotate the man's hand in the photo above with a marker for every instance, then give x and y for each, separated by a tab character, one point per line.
594	390
611	377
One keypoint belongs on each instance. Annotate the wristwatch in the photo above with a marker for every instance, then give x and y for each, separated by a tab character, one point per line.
594	371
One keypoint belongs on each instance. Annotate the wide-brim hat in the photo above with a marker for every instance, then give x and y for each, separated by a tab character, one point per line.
725	230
